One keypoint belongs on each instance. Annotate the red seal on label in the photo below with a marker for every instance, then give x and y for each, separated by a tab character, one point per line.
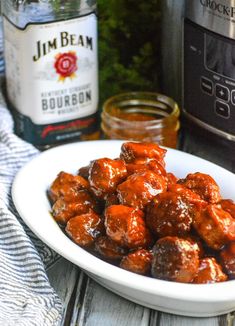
66	65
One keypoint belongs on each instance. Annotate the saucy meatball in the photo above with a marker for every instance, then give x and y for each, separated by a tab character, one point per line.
63	210
138	261
215	226
84	229
131	151
109	249
198	244
209	272
104	176
175	259
152	165
171	179
140	188
126	226
66	185
170	213
204	185
84	171
229	206
227	258
192	198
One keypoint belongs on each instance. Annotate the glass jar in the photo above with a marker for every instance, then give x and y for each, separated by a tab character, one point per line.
141	116
52	69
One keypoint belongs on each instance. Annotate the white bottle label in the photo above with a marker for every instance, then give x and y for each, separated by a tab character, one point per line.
51	69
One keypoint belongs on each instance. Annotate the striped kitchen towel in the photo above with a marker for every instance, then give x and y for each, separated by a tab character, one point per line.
26	297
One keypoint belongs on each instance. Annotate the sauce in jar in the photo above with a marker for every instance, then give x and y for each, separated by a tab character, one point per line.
141	116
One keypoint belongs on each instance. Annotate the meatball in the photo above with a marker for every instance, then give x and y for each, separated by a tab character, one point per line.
198	244
209	272
227	259
138	262
140	188
175	259
192	198
84	171
169	214
109	249
171	179
204	185
215	226
84	229
229	206
66	185
104	176
126	226
63	210
131	151
152	165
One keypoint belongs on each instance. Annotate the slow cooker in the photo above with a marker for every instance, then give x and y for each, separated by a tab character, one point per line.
209	65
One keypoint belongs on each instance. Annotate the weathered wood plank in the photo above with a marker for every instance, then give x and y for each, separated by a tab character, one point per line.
86	303
64	277
229	320
104	308
169	320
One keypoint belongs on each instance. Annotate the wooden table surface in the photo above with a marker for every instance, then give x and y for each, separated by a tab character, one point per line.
86	303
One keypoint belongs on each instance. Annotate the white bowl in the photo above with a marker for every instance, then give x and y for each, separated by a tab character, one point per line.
29	195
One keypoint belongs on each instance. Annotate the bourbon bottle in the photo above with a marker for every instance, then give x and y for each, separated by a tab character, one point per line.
51	69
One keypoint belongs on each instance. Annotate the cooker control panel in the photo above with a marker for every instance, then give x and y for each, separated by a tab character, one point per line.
209	77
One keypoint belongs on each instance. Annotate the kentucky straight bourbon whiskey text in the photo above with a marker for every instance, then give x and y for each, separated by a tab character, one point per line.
51	69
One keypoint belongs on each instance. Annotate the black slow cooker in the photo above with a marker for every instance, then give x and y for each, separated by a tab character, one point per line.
209	65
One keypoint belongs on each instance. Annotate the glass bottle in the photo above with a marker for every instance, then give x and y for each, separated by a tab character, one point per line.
51	69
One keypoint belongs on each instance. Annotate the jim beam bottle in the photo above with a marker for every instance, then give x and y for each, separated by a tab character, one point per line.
51	69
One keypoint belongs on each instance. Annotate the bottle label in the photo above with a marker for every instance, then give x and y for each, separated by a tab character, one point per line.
51	70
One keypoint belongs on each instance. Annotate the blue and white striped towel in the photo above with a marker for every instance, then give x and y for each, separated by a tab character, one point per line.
26	297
